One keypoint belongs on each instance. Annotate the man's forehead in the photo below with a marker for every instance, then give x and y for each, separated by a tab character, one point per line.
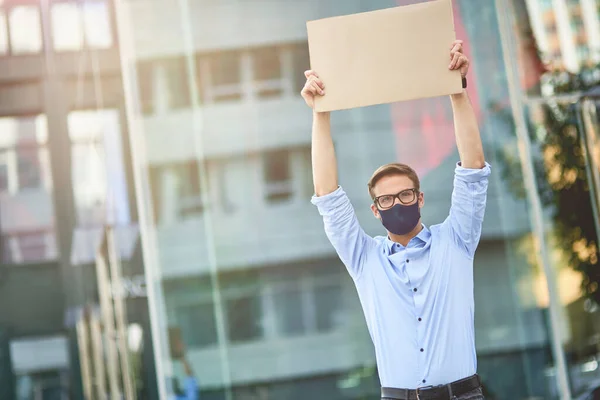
393	184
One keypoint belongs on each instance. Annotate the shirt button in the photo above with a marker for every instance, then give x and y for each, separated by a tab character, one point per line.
419	319
424	381
407	260
422	350
415	289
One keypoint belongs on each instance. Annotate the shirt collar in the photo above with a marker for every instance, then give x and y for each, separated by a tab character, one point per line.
422	236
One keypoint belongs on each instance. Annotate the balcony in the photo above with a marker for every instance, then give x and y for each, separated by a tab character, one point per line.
226	129
285	358
248	238
157	26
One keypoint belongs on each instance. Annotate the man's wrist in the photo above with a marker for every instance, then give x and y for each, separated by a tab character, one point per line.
460	95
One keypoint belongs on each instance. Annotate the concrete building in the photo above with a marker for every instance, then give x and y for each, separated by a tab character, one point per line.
236	257
65	176
567	31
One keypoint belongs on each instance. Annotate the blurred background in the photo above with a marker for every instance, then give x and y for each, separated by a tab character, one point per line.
155	186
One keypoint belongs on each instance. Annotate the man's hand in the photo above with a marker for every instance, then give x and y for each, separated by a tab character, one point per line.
313	87
457	59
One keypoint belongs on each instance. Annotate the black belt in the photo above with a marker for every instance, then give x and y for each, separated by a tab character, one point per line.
441	392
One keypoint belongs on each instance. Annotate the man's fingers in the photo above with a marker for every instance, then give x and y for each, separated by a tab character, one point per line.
317	88
456	49
455	60
311	88
310	73
319	83
456	42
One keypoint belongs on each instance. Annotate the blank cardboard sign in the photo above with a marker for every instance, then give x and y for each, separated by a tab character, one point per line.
384	56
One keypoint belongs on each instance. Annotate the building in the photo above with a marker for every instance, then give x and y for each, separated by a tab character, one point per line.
65	177
567	31
237	262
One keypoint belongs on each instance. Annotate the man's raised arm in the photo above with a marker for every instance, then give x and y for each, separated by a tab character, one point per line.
341	225
469	196
324	164
468	138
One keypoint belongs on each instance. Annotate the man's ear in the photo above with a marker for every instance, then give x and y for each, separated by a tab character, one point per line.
375	211
421	199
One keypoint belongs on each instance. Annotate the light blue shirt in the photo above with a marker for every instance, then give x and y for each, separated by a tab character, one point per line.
190	390
417	300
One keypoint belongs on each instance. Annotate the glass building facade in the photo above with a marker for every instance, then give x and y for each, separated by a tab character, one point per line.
242	282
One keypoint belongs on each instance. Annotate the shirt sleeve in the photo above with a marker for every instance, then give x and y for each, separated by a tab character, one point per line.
191	388
467	209
343	230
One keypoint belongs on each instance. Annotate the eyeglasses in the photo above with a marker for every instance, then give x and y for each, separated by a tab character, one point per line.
386	201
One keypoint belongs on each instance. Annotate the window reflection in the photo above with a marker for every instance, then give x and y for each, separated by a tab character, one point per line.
176	192
67	30
197	324
96	22
3	33
25	29
79	24
98	178
25	178
290	309
277	175
24	162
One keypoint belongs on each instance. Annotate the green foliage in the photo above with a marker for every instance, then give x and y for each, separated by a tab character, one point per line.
560	168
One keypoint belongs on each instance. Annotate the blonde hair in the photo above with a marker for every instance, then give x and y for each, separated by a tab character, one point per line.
389	170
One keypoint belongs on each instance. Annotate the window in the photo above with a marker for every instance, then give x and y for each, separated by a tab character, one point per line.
267	72
277	176
25	29
197	323
289	310
163	85
28	165
301	61
308	186
328	304
220	76
177	82
67	26
225	68
145	90
176	191
26	247
583	52
24	161
25	166
97	170
75	24
306	299
243	306
3	33
576	25
244	316
96	22
228	173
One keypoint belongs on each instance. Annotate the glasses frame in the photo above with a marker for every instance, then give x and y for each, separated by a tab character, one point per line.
396	196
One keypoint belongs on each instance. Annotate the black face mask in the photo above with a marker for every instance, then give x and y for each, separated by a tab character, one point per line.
401	219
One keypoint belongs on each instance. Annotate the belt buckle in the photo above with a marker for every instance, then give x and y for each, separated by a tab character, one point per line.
422	388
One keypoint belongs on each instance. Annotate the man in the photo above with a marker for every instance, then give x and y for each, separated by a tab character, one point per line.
416	284
190	385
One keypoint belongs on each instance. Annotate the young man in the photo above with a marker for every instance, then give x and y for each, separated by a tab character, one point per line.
415	284
189	391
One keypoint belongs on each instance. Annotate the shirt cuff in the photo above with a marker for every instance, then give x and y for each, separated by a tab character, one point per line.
330	201
472	174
